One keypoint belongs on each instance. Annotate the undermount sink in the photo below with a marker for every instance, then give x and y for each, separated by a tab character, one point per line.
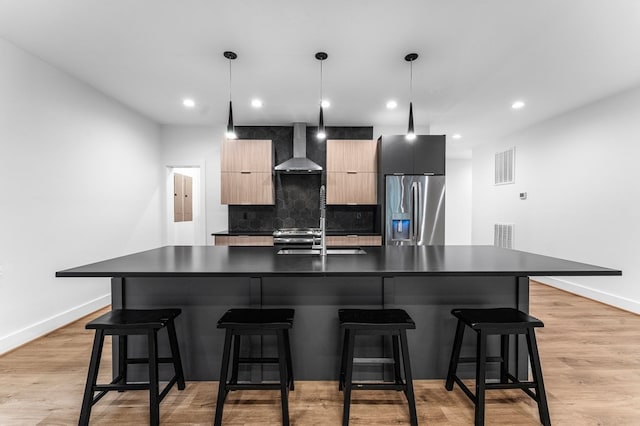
355	250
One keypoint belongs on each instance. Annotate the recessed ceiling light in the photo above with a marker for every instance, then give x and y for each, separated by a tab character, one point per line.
517	105
392	104
189	103
256	103
457	136
325	104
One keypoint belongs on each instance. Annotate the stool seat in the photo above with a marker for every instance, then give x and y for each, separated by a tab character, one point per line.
120	319
386	318
261	318
496	317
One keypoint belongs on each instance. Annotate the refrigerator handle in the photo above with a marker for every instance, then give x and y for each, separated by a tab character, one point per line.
414	211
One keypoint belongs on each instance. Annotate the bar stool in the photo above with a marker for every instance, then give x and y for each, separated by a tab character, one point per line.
503	322
124	323
239	322
393	322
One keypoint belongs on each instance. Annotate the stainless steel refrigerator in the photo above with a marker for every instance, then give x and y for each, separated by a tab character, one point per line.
414	210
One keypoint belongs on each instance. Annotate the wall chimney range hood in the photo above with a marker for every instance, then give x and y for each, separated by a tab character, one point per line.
299	163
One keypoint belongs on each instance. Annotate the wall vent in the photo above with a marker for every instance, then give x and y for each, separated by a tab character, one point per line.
503	235
505	167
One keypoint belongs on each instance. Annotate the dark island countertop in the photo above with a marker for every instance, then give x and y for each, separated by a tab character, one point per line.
211	261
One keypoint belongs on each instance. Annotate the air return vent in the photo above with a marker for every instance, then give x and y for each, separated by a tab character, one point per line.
503	235
505	167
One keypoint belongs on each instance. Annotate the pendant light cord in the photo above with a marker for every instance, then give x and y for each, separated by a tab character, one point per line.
229	80
411	82
321	82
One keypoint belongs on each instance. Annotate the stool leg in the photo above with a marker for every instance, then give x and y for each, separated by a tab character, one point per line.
408	378
92	376
455	355
481	372
396	359
122	358
284	385
504	351
236	360
175	354
536	369
289	359
222	385
348	360
154	400
343	360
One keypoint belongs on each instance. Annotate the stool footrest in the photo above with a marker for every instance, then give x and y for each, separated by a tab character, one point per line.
468	360
373	361
378	386
258	360
253	386
146	360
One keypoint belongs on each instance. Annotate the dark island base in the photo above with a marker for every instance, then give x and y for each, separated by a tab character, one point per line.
315	337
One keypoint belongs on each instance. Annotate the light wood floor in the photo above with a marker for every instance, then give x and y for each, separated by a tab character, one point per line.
590	358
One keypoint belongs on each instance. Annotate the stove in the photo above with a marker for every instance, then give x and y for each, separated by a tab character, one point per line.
297	236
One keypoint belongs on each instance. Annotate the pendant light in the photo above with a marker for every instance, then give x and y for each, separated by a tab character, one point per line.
321	56
231	130
411	134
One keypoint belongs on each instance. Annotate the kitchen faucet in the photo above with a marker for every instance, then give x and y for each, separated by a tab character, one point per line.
323	230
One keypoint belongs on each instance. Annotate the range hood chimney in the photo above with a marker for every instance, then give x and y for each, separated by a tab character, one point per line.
299	163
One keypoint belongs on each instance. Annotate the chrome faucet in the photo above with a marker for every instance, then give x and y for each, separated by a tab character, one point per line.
323	228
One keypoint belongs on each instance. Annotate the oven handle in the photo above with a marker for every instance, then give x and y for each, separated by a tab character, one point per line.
285	240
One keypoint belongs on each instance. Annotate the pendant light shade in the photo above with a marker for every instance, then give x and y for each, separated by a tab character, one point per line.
321	56
231	130
411	134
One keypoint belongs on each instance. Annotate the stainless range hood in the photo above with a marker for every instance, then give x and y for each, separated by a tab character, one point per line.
299	163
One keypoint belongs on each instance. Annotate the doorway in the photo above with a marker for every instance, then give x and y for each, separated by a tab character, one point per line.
185	229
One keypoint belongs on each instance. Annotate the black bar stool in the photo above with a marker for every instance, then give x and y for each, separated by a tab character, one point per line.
393	322
124	323
503	322
240	322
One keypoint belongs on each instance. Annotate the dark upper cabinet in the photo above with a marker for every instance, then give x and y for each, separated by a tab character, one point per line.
423	155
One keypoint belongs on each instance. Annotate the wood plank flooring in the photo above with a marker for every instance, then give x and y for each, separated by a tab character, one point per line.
590	358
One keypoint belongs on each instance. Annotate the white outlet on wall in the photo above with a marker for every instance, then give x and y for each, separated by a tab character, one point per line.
1	270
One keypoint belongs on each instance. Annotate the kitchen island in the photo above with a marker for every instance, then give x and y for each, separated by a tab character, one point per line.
426	281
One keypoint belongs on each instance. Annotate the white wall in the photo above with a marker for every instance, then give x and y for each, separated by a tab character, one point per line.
80	182
581	173
458	202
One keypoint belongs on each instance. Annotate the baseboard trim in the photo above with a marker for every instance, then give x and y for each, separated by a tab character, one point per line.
590	293
20	337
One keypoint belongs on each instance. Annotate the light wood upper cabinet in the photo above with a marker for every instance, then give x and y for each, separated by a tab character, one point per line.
246	188
352	155
352	171
351	188
247	155
247	172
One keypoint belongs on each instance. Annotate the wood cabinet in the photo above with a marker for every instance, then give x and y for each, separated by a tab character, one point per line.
352	171
354	240
243	240
247	172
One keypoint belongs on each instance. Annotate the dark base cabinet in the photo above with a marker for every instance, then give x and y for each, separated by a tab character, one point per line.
315	337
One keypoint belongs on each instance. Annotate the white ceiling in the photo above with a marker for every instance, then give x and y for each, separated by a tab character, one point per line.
476	57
